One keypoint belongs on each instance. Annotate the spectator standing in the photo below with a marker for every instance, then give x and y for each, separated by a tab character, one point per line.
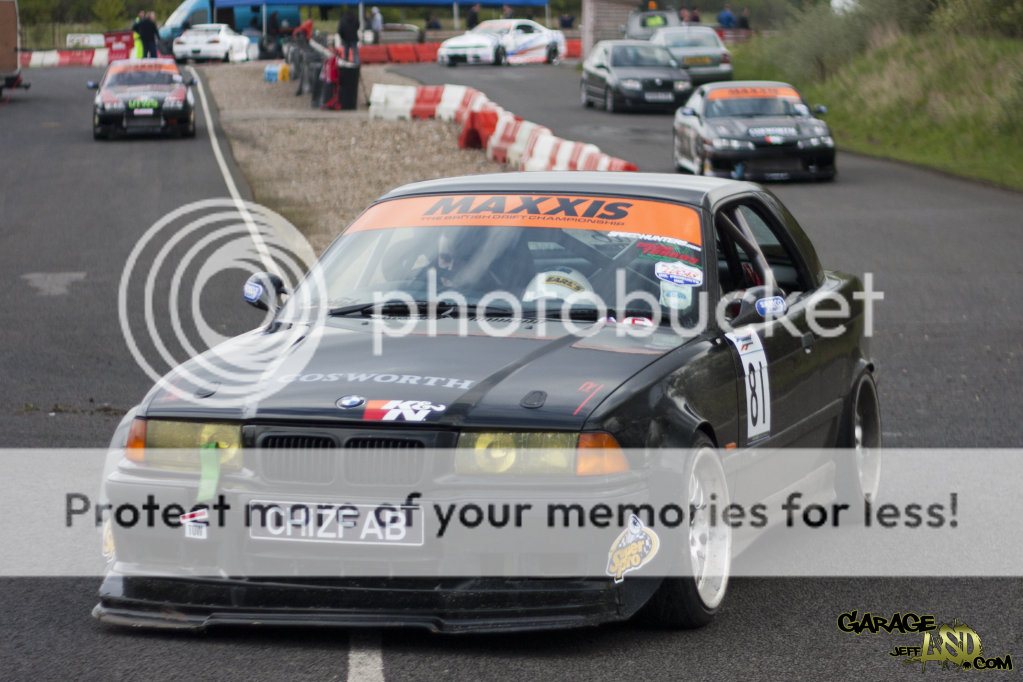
567	20
683	16
743	21
376	24
726	18
507	14
273	25
472	19
148	32
348	29
694	16
432	23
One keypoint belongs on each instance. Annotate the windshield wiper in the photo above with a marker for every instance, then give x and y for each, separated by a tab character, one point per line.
442	307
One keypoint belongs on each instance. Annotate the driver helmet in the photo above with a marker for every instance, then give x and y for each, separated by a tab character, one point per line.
557	283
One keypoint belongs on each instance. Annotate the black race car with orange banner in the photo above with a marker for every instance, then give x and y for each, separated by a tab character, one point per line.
496	335
143	96
752	130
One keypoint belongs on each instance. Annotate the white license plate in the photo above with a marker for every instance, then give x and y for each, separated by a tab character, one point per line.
659	97
143	112
355	524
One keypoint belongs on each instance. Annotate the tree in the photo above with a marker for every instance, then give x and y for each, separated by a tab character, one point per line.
111	13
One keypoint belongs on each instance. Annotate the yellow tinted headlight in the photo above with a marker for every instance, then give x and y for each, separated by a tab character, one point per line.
516	454
175	445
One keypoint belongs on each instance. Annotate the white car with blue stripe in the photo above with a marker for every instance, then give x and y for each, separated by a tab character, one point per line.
504	41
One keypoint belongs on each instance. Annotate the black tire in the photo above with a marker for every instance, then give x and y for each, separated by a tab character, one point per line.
584	97
227	58
682	603
452	64
609	101
858	464
679	168
552	54
699	163
188	130
500	58
99	134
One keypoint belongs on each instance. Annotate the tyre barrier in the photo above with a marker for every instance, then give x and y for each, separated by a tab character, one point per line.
507	138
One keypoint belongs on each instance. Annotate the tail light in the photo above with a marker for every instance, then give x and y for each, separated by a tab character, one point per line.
213	42
726	58
178	41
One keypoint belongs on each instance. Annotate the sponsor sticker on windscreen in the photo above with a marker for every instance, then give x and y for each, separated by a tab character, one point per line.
358	524
654	219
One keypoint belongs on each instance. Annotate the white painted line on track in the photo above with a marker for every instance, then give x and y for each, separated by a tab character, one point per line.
365	656
264	253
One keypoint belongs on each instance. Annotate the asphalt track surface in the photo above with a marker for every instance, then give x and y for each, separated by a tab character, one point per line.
947	253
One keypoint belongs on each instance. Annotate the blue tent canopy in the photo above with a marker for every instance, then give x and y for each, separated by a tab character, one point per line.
384	3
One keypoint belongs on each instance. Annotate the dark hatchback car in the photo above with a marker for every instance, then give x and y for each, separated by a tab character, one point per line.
454	412
754	130
143	96
632	74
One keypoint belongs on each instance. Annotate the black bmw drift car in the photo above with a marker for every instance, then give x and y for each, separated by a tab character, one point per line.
752	130
143	96
513	366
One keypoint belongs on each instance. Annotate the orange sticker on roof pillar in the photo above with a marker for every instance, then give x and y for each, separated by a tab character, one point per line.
640	216
753	93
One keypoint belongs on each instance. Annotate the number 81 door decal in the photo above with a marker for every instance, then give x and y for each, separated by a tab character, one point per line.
757	383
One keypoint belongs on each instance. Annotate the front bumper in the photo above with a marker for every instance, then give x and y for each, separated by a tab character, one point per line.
160	121
466	55
709	74
637	99
787	162
204	52
441	605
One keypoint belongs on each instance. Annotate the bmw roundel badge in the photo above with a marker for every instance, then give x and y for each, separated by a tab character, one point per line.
350	401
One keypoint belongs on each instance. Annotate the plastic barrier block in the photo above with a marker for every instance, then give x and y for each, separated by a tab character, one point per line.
427	52
450	102
468	100
373	54
100	57
525	139
25	59
74	57
504	137
402	53
621	165
114	55
574	49
539	151
485	122
427	99
391	102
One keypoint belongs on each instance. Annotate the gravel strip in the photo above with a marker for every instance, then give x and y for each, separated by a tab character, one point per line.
321	174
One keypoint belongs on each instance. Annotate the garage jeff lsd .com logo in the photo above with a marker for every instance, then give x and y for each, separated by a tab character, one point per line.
953	646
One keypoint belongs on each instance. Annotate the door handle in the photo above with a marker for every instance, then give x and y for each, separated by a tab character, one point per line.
807	340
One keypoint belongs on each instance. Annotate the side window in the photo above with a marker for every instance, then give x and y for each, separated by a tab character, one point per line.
525	28
696	102
197	17
782	257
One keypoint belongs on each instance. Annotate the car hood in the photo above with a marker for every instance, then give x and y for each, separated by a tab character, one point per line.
471	40
475	380
145	92
641	72
758	127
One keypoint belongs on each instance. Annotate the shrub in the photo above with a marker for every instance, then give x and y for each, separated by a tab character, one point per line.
980	17
111	13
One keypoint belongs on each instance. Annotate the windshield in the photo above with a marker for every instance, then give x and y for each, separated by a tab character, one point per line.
498	27
755	101
535	252
653	21
142	77
691	39
641	55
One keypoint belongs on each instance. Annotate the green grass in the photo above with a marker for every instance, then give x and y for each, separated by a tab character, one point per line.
950	103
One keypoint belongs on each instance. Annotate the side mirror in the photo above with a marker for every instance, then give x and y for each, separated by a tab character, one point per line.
92	85
601	66
262	291
760	304
621	29
687	111
820	109
193	81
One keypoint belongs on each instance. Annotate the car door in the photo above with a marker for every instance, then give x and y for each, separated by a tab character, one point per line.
687	132
598	73
785	391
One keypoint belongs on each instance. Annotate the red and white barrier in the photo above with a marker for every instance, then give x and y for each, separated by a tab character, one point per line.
508	139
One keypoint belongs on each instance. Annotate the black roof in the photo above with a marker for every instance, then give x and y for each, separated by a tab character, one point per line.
684	189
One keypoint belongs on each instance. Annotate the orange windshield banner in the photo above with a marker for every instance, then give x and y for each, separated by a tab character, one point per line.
637	216
753	93
168	66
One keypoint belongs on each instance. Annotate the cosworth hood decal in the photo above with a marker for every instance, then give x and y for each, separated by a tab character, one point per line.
448	379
